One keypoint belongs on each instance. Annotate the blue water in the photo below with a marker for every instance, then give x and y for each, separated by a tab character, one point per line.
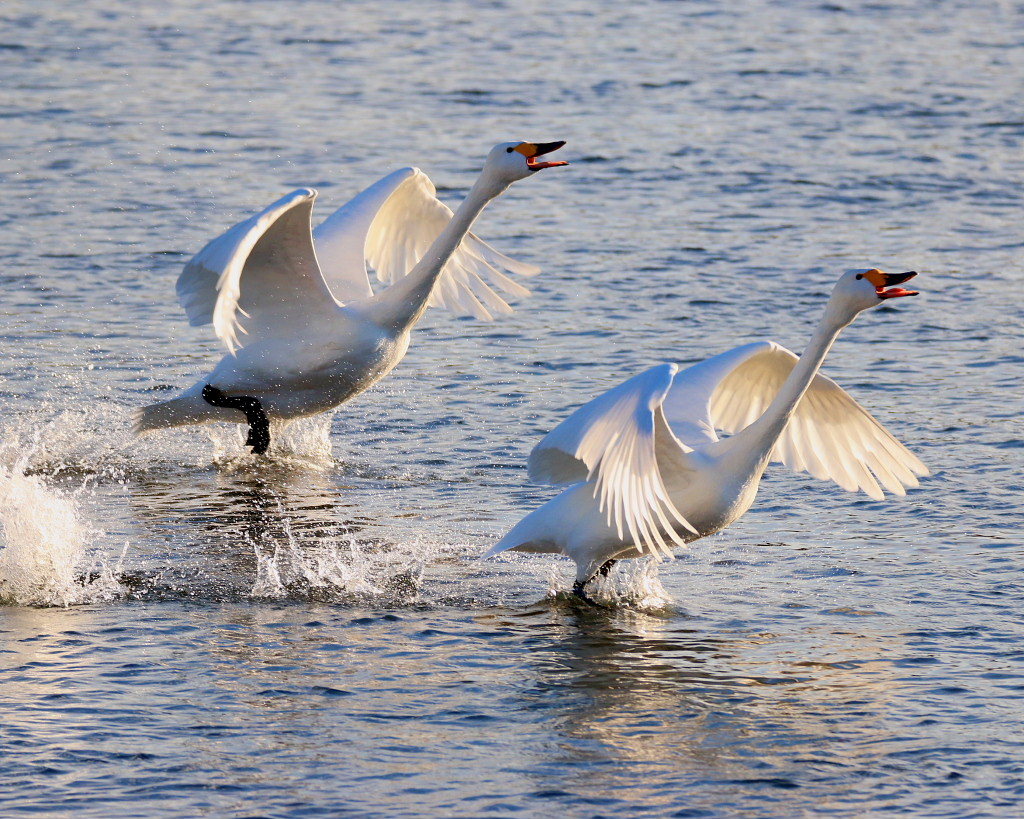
191	634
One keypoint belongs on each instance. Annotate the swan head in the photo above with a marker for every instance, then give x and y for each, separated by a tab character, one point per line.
509	162
859	290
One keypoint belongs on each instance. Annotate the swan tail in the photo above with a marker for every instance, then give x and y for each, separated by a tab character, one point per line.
526	536
177	412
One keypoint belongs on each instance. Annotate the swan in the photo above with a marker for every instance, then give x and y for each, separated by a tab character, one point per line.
304	330
648	470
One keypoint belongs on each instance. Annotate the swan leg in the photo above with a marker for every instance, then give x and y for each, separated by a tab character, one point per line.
255	416
259	428
585	573
578	590
579	587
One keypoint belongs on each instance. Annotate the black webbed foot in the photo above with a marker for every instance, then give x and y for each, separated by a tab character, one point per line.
257	418
259	431
580	586
578	589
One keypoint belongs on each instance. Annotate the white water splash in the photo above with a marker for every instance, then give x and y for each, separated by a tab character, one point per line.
46	554
285	566
634	584
305	442
93	443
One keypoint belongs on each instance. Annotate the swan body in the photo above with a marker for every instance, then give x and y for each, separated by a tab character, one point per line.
303	327
647	470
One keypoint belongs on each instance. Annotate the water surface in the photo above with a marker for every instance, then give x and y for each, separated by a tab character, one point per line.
314	635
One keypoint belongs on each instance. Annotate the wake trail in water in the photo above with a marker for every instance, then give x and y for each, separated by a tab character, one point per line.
336	570
50	554
277	528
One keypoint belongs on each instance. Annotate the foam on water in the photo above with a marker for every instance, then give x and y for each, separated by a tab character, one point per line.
330	569
634	584
304	442
47	551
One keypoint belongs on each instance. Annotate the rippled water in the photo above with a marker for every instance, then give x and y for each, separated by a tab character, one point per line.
190	633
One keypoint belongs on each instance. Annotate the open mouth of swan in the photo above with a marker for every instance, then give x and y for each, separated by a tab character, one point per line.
885	283
531	150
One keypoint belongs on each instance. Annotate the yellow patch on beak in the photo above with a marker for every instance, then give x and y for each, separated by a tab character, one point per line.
882	280
527	149
876	277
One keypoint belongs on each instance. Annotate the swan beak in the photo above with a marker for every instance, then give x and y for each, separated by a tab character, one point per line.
531	150
881	281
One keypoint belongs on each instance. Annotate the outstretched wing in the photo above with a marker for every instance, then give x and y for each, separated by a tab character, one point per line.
390	225
829	435
342	237
260	278
617	441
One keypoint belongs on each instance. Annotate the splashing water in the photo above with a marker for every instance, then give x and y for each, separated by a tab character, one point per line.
634	584
329	568
305	442
95	443
46	554
91	444
50	555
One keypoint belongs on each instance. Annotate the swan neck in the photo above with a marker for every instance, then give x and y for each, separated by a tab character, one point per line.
769	427
401	305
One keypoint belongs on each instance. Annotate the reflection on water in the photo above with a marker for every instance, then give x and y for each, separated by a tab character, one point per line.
568	705
674	702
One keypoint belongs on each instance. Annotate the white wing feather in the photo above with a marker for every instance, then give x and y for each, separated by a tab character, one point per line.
260	278
613	441
686	405
390	225
341	238
830	436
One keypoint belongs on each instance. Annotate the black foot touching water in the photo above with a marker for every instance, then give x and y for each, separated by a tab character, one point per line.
259	423
579	587
578	590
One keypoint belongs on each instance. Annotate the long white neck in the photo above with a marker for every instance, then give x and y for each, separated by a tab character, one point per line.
759	439
400	306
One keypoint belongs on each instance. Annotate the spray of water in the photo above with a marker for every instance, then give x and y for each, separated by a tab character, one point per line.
633	584
305	443
332	567
46	551
333	570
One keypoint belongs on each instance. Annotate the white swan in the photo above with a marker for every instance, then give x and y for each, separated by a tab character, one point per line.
649	471
304	330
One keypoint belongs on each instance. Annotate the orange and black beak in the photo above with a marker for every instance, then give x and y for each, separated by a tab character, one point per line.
531	150
881	281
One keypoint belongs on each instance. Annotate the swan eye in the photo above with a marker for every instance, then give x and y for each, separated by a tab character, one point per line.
509	150
860	275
